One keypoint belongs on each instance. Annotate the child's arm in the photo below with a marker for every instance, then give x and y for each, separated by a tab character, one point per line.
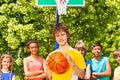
30	74
42	75
88	72
78	71
115	74
106	73
13	77
48	71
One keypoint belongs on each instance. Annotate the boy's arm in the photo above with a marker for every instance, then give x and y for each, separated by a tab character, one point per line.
106	73
78	71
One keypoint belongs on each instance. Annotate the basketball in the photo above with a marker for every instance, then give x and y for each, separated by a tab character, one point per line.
58	63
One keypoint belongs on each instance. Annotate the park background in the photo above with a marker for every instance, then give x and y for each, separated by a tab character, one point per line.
22	20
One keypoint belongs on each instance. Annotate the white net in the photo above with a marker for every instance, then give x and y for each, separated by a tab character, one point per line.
62	6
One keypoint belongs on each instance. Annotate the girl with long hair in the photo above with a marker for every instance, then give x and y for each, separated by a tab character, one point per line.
6	68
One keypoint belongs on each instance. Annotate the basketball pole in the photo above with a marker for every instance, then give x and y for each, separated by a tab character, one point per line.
57	22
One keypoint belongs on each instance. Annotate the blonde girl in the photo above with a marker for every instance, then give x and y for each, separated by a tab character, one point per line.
6	67
82	48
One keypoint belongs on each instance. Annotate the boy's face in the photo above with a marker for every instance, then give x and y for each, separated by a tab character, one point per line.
96	51
61	37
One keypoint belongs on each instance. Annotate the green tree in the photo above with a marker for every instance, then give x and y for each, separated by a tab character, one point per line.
22	20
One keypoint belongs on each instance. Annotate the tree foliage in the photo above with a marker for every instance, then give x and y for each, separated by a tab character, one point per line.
22	20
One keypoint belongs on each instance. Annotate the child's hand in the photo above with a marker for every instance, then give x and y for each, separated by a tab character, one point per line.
27	78
68	58
41	71
94	75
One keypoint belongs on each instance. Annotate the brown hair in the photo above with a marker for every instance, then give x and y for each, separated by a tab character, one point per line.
61	27
7	56
32	41
96	44
116	53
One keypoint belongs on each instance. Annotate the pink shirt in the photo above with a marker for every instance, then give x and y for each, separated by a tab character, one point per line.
34	65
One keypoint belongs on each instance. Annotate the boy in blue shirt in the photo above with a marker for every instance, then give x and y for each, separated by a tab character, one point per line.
100	65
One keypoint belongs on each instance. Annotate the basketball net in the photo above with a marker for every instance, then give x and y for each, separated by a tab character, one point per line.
62	6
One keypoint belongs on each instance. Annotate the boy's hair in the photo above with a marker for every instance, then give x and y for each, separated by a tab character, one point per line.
61	27
116	53
96	44
32	41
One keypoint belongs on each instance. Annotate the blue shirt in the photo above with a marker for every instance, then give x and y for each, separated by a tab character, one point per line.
6	76
99	66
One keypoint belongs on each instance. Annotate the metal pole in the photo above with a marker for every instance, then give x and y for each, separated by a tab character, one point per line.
57	22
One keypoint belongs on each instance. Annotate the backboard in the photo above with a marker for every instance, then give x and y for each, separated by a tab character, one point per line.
53	3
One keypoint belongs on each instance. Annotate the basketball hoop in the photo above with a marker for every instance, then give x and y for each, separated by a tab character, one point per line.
62	6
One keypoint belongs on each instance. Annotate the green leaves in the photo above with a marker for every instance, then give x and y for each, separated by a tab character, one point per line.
22	20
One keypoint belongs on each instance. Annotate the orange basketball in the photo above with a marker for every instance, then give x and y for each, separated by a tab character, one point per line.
58	63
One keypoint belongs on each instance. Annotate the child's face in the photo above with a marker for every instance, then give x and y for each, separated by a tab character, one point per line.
96	51
118	59
33	48
61	38
6	63
82	50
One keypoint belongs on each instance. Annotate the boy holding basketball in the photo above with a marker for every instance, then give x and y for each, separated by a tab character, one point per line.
75	59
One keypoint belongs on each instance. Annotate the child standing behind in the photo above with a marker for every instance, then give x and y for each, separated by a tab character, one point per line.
6	68
34	65
81	47
117	70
